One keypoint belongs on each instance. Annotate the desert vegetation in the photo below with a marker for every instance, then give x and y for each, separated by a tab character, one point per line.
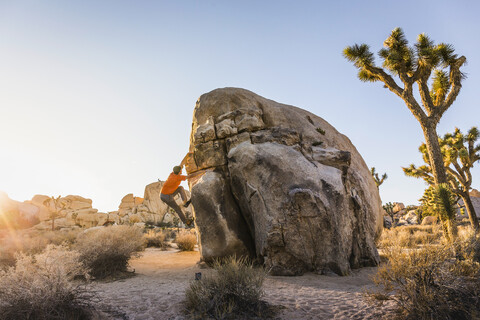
428	277
186	241
12	243
42	286
233	291
460	154
105	252
156	238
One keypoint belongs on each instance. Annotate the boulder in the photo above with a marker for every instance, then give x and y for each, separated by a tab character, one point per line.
90	218
398	206
411	217
77	202
475	193
429	220
17	214
44	211
152	198
475	203
281	185
387	222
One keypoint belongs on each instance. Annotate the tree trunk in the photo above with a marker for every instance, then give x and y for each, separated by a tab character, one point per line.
434	153
472	215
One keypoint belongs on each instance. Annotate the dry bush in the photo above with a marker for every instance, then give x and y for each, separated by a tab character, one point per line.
155	239
433	282
41	287
61	237
16	242
410	236
186	241
106	251
234	291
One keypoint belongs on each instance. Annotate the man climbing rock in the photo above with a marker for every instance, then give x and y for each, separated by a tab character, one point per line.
172	187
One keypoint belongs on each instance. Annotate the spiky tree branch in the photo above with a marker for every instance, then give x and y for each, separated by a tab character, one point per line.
415	65
376	178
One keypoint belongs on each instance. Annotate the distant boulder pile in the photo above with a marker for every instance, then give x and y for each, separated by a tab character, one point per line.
77	212
281	185
149	208
410	215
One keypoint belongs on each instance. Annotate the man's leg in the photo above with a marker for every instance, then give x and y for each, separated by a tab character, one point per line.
169	199
180	190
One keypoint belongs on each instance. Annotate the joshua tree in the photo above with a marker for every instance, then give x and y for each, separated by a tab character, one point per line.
388	207
57	205
415	65
459	153
441	201
378	180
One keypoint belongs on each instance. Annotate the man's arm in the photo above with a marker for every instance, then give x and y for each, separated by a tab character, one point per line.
185	159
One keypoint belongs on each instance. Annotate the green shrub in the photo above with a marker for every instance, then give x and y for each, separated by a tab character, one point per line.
106	251
186	241
234	291
41	287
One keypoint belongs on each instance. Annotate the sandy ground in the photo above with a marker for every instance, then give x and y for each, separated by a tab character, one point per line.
158	288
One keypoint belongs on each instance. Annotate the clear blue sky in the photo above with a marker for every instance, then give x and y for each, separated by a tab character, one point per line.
96	97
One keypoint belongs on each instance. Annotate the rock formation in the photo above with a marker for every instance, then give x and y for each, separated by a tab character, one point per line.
281	185
147	209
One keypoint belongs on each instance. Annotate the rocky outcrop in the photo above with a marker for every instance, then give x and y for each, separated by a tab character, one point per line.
281	185
17	214
149	208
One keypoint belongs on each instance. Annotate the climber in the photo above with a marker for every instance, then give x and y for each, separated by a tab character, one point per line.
172	187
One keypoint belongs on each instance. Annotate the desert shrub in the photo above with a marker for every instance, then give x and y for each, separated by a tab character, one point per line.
410	236
41	286
106	251
433	282
233	291
155	239
16	242
61	237
186	241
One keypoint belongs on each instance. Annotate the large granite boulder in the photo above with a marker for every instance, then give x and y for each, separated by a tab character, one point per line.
281	185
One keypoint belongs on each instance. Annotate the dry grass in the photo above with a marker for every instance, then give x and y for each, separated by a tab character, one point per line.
155	239
410	236
106	251
41	287
436	281
16	242
233	292
186	241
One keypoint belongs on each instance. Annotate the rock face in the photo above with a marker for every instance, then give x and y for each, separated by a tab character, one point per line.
475	198
281	185
429	220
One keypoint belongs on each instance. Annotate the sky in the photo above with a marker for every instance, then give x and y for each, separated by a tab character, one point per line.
96	97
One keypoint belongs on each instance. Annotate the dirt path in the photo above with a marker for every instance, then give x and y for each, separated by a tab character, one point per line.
158	289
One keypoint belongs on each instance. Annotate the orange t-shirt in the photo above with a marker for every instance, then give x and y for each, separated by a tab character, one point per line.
172	183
